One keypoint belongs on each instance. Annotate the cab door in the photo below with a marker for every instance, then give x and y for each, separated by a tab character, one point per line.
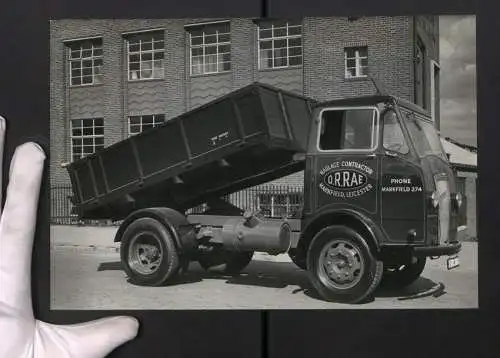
402	189
345	165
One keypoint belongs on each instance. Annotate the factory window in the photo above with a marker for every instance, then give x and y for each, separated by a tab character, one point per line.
137	124
282	205
280	44
356	62
210	48
85	61
87	137
146	53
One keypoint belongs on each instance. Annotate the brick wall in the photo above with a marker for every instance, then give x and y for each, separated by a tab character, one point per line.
389	40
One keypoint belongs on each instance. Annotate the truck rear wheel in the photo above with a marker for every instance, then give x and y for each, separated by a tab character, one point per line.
396	276
149	253
341	265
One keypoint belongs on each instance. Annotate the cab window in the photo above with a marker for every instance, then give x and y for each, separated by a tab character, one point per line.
393	137
348	129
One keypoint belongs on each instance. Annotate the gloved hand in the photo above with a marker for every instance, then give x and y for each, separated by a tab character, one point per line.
21	335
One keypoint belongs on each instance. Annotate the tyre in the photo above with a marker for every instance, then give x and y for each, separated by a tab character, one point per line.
226	262
297	259
396	276
148	252
341	265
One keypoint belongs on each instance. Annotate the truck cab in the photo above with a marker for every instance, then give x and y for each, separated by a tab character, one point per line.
375	173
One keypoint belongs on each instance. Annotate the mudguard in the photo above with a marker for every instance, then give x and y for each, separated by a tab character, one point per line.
178	225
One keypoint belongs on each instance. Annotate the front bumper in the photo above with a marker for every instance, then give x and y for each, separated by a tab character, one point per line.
449	249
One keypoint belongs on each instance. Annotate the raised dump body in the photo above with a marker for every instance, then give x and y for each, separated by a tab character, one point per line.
245	138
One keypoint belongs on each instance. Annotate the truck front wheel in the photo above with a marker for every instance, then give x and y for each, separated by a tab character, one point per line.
148	252
396	276
341	265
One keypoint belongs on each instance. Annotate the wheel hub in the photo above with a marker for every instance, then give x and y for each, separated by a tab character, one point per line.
341	264
145	254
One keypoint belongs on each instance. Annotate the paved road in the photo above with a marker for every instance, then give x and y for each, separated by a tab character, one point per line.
82	279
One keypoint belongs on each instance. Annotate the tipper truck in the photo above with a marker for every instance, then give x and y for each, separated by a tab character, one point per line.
379	195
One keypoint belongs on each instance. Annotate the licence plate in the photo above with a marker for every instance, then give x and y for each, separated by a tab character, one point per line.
452	262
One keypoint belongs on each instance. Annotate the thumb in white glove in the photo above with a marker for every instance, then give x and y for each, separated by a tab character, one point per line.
21	335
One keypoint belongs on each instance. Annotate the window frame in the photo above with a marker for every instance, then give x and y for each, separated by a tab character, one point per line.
204	45
287	37
357	58
141	125
140	52
82	137
375	130
70	60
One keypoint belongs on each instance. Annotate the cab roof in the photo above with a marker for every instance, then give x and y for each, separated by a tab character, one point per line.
370	100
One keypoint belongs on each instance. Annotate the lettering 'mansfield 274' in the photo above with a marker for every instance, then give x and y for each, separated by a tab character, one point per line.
379	193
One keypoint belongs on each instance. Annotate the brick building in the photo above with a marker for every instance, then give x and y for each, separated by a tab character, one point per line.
113	78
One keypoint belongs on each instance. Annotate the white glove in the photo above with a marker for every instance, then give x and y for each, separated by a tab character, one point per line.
21	336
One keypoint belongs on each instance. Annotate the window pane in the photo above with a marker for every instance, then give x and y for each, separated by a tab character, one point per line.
87	71
159	55
350	72
280	62
279	32
351	63
87	53
76	53
265	34
210	50
224	37
280	44
97	52
147	56
210	39
295	51
134	47
134	120
88	131
224	48
146	46
197	51
198	40
99	122
347	129
159	45
350	53
295	30
147	120
76	81
364	62
266	44
99	141
295	42
295	61
134	66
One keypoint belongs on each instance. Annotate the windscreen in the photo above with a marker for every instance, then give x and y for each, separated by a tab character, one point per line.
424	136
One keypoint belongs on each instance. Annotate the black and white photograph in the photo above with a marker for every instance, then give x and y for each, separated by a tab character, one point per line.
251	163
